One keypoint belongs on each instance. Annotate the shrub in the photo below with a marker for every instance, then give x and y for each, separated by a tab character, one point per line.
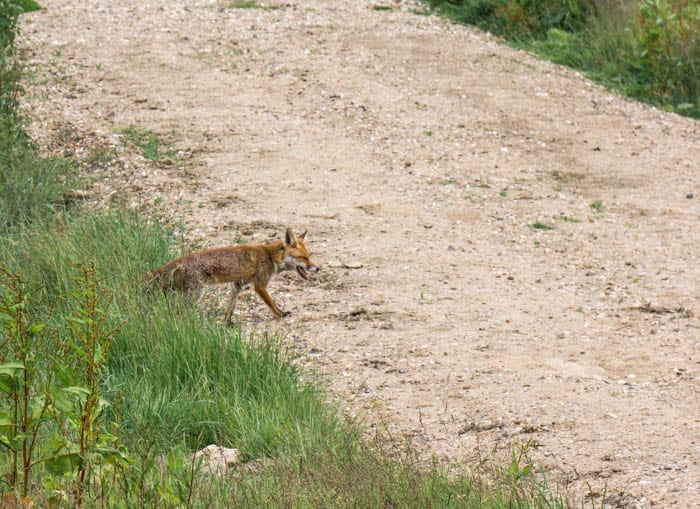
647	49
521	19
669	36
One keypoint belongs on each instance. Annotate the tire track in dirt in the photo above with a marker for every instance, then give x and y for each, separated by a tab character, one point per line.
472	296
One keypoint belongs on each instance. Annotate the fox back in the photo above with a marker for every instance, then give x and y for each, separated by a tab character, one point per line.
230	264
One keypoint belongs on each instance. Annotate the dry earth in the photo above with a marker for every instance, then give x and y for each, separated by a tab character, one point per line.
419	155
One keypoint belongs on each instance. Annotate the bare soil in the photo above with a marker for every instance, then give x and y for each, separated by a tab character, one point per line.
509	251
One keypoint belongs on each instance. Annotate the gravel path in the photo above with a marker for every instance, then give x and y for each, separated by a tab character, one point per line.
510	252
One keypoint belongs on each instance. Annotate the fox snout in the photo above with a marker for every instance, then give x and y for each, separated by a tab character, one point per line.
303	271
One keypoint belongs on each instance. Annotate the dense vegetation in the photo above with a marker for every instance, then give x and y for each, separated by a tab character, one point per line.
106	389
647	49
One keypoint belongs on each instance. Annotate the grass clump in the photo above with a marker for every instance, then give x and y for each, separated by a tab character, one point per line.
188	380
250	4
597	205
31	188
568	219
540	225
518	19
647	49
170	376
379	477
151	145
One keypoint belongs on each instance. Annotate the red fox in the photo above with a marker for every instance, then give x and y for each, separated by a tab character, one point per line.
240	265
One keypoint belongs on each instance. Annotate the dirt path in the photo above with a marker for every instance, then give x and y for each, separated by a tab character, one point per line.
419	155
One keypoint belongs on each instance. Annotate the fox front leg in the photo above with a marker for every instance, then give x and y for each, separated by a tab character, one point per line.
262	291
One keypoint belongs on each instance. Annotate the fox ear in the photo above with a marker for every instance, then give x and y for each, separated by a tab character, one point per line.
302	235
289	238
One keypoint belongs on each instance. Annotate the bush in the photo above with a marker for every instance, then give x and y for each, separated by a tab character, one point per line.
647	49
669	36
521	19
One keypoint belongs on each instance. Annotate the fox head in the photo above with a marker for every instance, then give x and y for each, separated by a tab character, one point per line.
297	256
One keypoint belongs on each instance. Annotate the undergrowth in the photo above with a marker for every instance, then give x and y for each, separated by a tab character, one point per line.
647	49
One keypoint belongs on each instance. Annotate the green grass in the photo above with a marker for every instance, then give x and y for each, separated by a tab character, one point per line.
31	188
250	4
183	378
375	477
99	156
148	141
539	225
646	49
568	219
597	205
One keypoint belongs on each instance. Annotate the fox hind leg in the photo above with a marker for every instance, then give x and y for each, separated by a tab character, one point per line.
237	287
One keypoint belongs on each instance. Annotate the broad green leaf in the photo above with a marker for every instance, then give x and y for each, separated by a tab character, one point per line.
8	384
62	463
107	438
65	374
5	419
61	402
5	441
513	468
36	328
76	348
10	368
19	439
36	407
78	390
29	5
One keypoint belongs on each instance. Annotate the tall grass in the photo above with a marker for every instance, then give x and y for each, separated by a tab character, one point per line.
647	49
376	477
178	375
31	188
